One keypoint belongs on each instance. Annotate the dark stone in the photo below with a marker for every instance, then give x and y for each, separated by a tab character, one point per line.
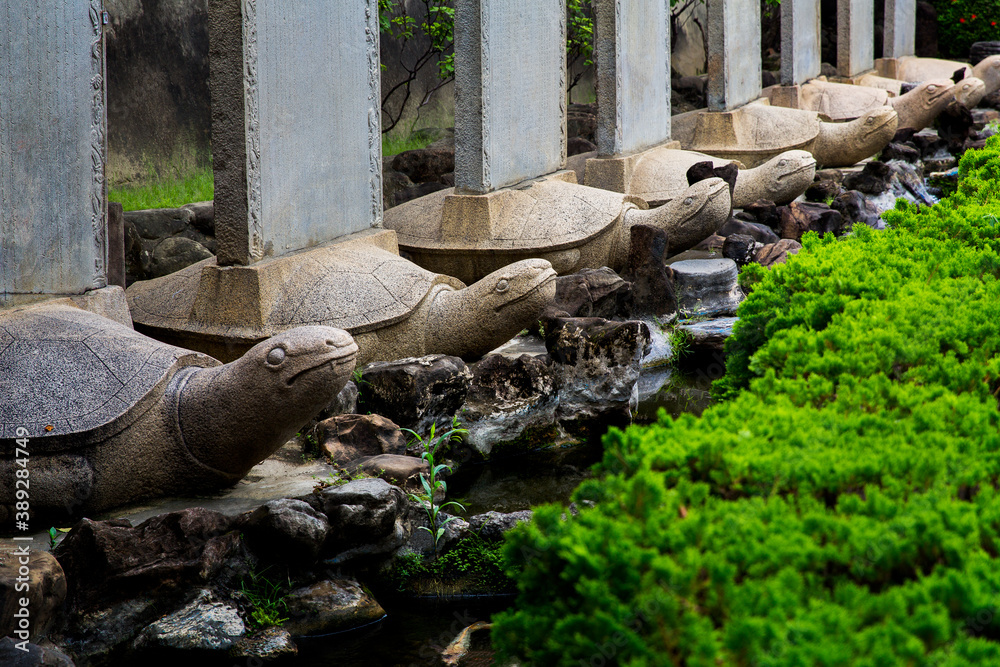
403	471
344	438
578	145
766	213
768	78
491	526
855	207
332	605
904	152
416	392
652	282
955	124
712	243
175	253
578	340
903	135
159	223
448	179
35	656
739	248
285	530
699	171
835	175
271	644
589	293
709	335
907	86
137	258
800	217
425	164
169	552
873	179
46	591
777	253
416	191
116	245
822	191
345	403
981	50
991	100
502	379
393	183
204	216
755	230
926	30
581	121
366	517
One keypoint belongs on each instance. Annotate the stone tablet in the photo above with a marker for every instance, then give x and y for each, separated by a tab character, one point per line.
734	67
510	91
900	28
800	41
632	54
52	148
296	133
855	36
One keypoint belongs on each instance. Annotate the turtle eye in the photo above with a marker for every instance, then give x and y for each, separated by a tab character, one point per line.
502	286
276	356
688	201
931	89
781	163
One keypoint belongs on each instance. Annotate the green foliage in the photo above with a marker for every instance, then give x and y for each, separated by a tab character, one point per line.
266	598
172	192
964	22
474	564
432	484
841	508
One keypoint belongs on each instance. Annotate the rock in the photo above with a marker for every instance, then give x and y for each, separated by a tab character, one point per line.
873	179
416	191
169	552
137	257
46	591
707	287
204	216
99	632
589	293
35	656
800	217
740	248
345	403
581	121
366	517
492	525
940	162
332	605
955	124
345	438
285	530
425	164
271	644
455	529
777	253
203	625
701	170
854	207
448	179
160	223
416	392
507	398
709	334
713	243
903	152
652	292
393	183
578	145
766	213
822	191
175	253
755	230
403	471
980	50
835	175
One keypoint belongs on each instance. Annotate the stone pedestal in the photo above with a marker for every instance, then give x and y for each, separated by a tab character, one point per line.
615	172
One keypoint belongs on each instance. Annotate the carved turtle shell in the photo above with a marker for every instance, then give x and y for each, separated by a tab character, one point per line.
544	215
358	288
85	375
755	129
841	101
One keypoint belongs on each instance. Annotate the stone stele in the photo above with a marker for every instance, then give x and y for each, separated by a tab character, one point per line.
112	416
755	133
570	225
916	109
392	307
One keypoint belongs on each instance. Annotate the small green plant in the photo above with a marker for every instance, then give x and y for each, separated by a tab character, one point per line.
433	484
170	192
266	597
680	343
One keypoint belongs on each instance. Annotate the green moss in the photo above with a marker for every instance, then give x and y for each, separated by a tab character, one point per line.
472	566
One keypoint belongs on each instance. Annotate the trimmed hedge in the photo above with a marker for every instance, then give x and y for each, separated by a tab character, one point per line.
841	508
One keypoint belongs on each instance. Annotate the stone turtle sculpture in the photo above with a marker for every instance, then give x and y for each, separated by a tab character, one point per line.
112	416
570	225
392	307
916	109
915	69
757	132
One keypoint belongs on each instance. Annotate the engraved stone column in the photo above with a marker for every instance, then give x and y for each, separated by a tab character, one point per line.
800	41
632	54
52	147
900	28
734	67
296	139
510	91
855	37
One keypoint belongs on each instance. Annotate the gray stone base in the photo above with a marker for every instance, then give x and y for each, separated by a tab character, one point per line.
614	172
108	302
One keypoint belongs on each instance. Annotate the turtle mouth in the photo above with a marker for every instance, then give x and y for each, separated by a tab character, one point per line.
805	167
544	278
337	359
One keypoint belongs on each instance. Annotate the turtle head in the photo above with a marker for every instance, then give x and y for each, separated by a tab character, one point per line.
970	91
844	144
935	94
472	321
692	216
781	179
232	417
988	70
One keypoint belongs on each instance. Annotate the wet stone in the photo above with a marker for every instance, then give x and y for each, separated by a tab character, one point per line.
740	248
286	530
707	287
416	392
203	625
709	334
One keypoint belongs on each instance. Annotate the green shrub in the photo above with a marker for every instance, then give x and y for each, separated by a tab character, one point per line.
841	508
964	22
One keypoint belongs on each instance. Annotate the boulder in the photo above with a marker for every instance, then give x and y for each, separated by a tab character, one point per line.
578	146
345	438
822	191
900	151
425	164
285	530
757	231
271	644
589	293
873	179
800	217
175	253
740	248
766	213
331	605
403	471
709	335
855	207
393	182
492	525
416	392
13	654
416	191
345	403
46	589
202	625
776	253
204	216
652	293
366	516
707	287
